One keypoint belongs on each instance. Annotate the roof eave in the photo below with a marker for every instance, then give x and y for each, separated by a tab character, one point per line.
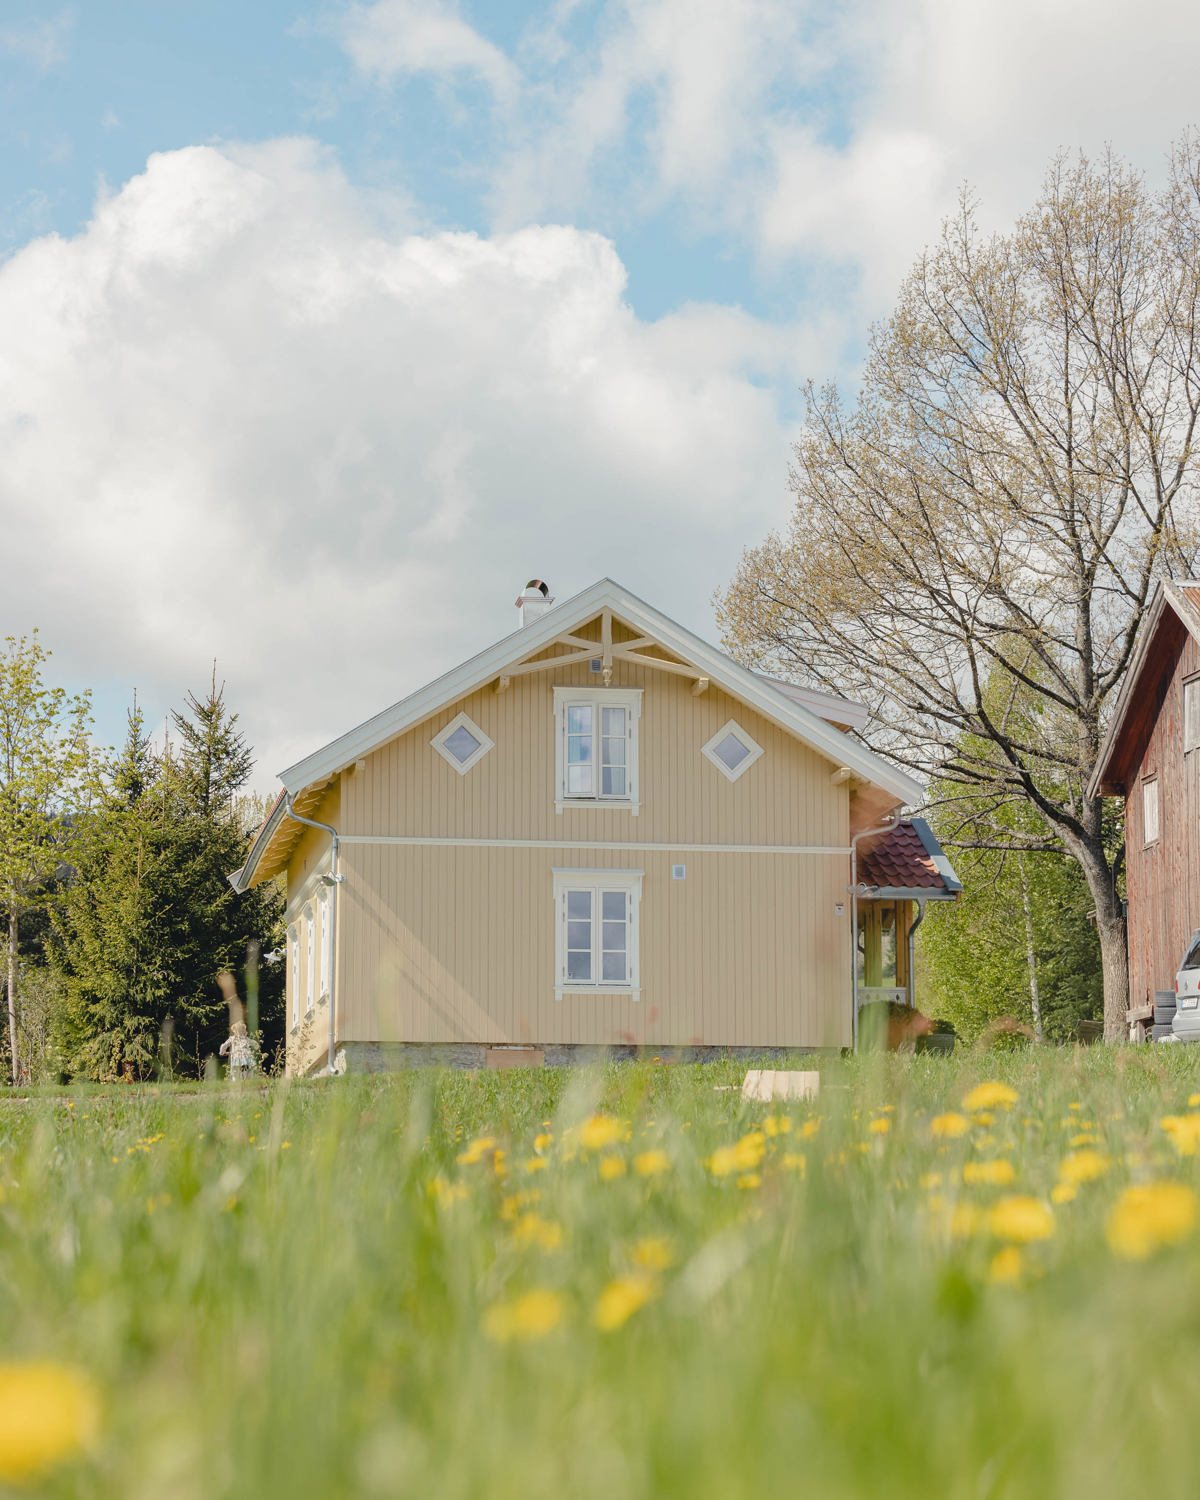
480	669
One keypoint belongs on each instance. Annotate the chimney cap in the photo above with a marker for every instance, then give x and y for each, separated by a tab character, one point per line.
536	583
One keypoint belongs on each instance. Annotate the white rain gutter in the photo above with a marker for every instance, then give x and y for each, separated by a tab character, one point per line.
893	819
333	879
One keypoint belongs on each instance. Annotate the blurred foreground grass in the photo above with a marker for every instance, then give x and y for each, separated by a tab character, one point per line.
618	1282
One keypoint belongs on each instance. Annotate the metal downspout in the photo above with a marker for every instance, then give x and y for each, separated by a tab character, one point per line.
862	834
335	880
912	975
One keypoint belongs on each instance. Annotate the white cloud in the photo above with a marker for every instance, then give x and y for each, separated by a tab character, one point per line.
836	136
395	37
243	419
42	43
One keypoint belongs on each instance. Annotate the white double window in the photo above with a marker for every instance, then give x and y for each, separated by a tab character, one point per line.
294	966
326	946
1191	714
310	959
596	761
597	931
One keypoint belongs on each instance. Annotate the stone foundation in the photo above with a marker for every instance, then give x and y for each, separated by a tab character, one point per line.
391	1057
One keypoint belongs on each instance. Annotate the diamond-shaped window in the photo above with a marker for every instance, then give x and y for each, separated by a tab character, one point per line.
462	744
731	752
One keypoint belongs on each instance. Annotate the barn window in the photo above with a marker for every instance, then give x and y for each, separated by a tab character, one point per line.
461	744
597	932
1191	715
1150	811
732	750
596	743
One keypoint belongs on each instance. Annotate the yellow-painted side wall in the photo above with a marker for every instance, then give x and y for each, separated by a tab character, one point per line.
456	942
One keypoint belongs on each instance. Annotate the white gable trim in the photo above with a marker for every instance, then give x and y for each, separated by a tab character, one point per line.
756	692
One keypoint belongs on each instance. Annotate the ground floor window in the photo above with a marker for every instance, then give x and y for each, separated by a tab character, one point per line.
597	931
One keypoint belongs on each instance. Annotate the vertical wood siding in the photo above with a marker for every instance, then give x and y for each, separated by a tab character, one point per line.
444	943
1163	881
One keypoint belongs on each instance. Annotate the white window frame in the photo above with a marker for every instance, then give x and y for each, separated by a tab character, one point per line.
630	699
596	881
310	959
1191	715
709	751
1151	812
294	958
326	946
466	722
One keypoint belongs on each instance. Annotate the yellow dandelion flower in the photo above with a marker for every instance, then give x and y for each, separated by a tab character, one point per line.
1074	1106
1193	1100
949	1126
651	1163
48	1413
1063	1192
1083	1166
771	1126
498	1166
611	1167
654	1253
532	1229
620	1300
983	1118
749	1180
534	1164
995	1172
879	1126
794	1161
1021	1218
930	1180
1006	1265
540	1142
477	1150
447	1192
992	1095
1184	1131
1149	1216
742	1157
1085	1139
810	1128
600	1131
530	1317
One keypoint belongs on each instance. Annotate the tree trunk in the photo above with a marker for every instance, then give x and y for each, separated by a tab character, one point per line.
12	993
1035	1003
1113	935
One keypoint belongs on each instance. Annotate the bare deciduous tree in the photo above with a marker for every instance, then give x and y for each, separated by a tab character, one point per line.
976	539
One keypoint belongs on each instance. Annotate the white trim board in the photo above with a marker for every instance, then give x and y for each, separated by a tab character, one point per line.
749	688
617	844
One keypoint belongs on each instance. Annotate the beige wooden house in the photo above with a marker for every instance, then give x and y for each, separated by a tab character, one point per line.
600	832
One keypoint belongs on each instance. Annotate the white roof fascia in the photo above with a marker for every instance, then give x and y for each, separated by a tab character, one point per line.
474	674
826	706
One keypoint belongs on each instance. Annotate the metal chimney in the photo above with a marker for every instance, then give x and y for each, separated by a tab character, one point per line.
533	602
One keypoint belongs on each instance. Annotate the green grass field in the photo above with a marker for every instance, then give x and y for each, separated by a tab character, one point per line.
621	1282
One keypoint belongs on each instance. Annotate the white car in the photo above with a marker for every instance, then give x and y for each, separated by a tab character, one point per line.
1186	1022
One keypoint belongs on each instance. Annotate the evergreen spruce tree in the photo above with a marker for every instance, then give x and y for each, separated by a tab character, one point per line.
151	920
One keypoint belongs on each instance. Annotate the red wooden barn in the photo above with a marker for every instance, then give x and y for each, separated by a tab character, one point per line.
1151	757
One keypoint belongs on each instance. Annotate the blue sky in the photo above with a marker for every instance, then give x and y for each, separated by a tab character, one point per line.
327	325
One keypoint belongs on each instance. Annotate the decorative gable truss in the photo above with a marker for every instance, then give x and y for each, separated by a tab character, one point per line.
568	648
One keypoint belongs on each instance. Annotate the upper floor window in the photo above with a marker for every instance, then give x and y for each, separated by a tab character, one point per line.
1150	811
596	759
461	744
732	750
1191	715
